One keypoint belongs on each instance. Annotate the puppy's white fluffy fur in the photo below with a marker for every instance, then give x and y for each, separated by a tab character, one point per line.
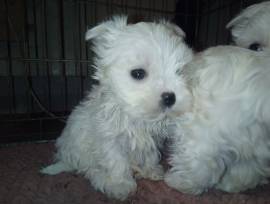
118	129
252	26
224	141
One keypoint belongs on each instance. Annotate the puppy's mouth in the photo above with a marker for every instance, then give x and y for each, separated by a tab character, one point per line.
162	112
157	114
164	109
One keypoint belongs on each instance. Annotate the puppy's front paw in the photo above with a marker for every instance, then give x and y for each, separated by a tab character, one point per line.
120	190
154	173
182	183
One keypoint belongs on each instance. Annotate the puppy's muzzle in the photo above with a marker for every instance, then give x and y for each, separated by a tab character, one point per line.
168	99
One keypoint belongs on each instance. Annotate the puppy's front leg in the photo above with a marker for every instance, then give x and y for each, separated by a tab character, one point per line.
151	168
112	174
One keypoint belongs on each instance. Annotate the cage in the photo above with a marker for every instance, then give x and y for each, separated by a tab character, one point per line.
45	63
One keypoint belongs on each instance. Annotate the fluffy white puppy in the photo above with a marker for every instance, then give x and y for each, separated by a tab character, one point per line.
118	129
251	28
223	141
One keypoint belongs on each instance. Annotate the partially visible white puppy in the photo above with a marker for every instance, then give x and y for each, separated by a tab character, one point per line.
118	129
251	28
224	140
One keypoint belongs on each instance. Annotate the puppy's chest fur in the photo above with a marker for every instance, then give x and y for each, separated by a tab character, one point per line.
138	138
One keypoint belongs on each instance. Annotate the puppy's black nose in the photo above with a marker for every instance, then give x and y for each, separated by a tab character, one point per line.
168	99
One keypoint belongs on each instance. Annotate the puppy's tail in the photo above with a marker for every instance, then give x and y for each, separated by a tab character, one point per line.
55	168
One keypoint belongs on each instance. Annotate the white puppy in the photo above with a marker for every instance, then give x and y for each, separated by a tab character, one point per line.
223	141
251	28
118	129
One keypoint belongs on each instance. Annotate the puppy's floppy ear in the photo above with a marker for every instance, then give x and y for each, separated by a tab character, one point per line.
237	25
248	14
107	29
239	21
174	28
177	30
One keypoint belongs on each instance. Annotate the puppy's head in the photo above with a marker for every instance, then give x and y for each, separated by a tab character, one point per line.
139	64
251	28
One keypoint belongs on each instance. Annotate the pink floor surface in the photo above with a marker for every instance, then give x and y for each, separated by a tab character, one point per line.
21	183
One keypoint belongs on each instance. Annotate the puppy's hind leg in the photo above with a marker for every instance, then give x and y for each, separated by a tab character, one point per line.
56	168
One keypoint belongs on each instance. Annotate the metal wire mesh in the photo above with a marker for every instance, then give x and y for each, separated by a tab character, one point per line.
45	64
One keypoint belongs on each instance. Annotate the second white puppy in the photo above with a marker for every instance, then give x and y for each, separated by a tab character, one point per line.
224	140
118	129
251	28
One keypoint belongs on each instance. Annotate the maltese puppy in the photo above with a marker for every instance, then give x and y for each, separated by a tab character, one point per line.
114	135
251	28
223	141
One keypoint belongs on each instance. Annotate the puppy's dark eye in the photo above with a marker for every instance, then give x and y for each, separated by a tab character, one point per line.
138	74
255	47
